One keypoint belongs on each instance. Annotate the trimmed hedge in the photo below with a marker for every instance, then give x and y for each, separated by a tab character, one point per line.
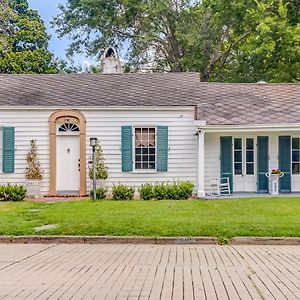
167	191
100	193
12	192
122	192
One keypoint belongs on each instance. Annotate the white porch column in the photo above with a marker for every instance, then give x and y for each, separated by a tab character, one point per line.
200	169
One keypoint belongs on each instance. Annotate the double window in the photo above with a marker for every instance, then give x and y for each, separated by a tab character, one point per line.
145	148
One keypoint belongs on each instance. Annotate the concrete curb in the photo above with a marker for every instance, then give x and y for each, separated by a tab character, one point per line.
106	240
288	241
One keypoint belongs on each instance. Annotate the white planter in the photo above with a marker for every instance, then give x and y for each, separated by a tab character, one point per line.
33	188
274	183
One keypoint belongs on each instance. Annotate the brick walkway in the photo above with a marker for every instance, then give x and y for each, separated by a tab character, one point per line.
149	272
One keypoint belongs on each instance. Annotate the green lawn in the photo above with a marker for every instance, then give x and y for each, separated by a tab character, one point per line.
220	218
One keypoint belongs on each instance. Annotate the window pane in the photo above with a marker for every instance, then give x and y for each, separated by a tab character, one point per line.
145	150
238	156
250	168
138	158
138	166
152	158
138	137
238	168
295	143
145	165
151	150
249	144
295	155
145	158
295	168
138	150
152	166
238	144
250	156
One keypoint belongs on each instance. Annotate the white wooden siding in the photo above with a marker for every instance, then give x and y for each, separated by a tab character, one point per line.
212	154
106	126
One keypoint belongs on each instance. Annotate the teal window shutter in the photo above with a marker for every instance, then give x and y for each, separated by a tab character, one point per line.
285	163
262	164
126	140
226	159
8	159
162	148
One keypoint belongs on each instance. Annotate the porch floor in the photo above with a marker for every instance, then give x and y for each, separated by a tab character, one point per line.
251	195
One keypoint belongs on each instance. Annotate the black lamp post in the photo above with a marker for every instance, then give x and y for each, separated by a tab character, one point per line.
93	144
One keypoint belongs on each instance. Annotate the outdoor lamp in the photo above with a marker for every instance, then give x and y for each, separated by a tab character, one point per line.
93	144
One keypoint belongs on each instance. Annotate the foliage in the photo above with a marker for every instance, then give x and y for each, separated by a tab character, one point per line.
23	40
33	170
100	193
174	191
101	168
237	40
122	192
12	192
146	191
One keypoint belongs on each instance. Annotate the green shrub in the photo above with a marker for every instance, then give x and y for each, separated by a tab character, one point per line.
100	193
160	191
172	191
146	191
122	192
185	189
12	192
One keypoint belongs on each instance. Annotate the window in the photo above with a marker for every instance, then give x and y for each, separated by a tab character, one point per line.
238	157
145	149
295	156
249	156
68	127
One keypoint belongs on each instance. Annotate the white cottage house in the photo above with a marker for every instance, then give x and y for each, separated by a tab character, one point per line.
152	128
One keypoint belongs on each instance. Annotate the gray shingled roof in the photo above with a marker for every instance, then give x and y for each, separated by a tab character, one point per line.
217	103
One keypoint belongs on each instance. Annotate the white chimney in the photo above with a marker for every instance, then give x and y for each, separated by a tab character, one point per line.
111	62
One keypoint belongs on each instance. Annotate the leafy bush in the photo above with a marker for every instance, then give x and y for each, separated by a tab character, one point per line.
122	192
100	193
33	169
101	168
168	191
146	191
12	192
185	189
160	191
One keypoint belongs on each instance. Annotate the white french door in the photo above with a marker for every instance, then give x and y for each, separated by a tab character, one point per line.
244	164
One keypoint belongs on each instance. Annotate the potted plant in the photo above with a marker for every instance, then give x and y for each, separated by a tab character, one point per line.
33	172
101	168
274	180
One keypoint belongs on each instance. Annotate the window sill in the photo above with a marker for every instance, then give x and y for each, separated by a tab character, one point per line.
144	172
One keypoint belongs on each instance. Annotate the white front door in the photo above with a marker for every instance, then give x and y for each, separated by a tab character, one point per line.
244	168
68	164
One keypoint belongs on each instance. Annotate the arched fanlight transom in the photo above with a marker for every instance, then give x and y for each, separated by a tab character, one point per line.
68	127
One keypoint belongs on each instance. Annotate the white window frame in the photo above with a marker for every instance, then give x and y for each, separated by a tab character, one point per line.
292	161
133	150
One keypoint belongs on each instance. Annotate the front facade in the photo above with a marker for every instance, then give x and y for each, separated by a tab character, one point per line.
153	128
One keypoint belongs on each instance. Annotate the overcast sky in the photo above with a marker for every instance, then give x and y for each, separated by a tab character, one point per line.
47	10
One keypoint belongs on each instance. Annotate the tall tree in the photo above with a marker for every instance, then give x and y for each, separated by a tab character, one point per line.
220	39
23	40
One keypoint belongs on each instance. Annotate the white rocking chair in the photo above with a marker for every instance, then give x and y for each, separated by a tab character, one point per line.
220	187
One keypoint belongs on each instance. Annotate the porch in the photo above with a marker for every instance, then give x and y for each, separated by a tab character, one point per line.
244	154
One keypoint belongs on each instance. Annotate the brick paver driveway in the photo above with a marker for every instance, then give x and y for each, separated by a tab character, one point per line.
149	272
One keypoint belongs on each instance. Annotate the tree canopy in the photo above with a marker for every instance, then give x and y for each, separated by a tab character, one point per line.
236	40
23	40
